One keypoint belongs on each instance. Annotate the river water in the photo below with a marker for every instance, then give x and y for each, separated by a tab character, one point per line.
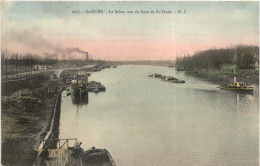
144	121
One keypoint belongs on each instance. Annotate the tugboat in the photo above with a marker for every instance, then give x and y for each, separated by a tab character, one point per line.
237	86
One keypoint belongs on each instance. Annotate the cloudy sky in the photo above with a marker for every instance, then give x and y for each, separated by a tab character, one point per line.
52	27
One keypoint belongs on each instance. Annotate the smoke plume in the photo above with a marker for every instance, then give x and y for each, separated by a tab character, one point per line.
34	41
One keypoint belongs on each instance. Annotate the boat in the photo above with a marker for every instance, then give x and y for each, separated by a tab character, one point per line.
155	75
65	154
237	86
78	87
96	69
172	79
80	100
95	90
99	157
94	86
178	81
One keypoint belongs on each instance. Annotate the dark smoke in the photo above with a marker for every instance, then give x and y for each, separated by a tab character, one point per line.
76	49
34	39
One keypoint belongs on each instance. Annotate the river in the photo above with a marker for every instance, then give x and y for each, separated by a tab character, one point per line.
144	121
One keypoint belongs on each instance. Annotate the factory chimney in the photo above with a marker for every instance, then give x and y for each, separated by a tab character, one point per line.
87	57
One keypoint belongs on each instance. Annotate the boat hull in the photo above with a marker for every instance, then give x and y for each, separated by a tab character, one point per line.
80	99
238	89
99	157
174	80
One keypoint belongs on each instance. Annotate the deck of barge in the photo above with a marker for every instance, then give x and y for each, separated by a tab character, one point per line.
65	157
60	157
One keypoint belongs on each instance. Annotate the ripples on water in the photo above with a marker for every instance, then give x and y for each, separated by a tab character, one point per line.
145	121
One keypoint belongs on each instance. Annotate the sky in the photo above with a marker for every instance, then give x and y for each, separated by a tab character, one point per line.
47	28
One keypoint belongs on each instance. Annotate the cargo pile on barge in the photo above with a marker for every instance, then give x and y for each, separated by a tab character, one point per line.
155	75
94	86
172	79
166	78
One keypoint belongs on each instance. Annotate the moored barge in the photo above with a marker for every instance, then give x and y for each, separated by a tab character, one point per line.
64	154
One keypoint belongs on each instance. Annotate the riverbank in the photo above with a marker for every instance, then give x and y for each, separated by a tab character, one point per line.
249	76
26	116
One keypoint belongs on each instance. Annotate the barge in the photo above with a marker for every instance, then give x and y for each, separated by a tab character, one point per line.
98	157
166	78
78	88
64	154
155	75
94	86
172	79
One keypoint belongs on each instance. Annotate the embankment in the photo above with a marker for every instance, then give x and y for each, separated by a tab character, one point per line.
26	118
10	86
50	140
29	115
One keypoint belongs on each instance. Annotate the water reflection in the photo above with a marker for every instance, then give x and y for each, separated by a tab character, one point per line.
80	100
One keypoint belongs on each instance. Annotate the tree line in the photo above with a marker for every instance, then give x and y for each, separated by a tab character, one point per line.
14	65
241	56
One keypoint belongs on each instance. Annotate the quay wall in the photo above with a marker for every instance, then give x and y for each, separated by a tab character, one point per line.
52	136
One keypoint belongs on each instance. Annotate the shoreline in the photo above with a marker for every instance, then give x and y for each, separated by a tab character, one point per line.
248	76
29	114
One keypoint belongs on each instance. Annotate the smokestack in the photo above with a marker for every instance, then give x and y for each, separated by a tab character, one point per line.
87	56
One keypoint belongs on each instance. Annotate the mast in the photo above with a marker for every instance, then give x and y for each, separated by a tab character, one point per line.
77	76
235	77
77	70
